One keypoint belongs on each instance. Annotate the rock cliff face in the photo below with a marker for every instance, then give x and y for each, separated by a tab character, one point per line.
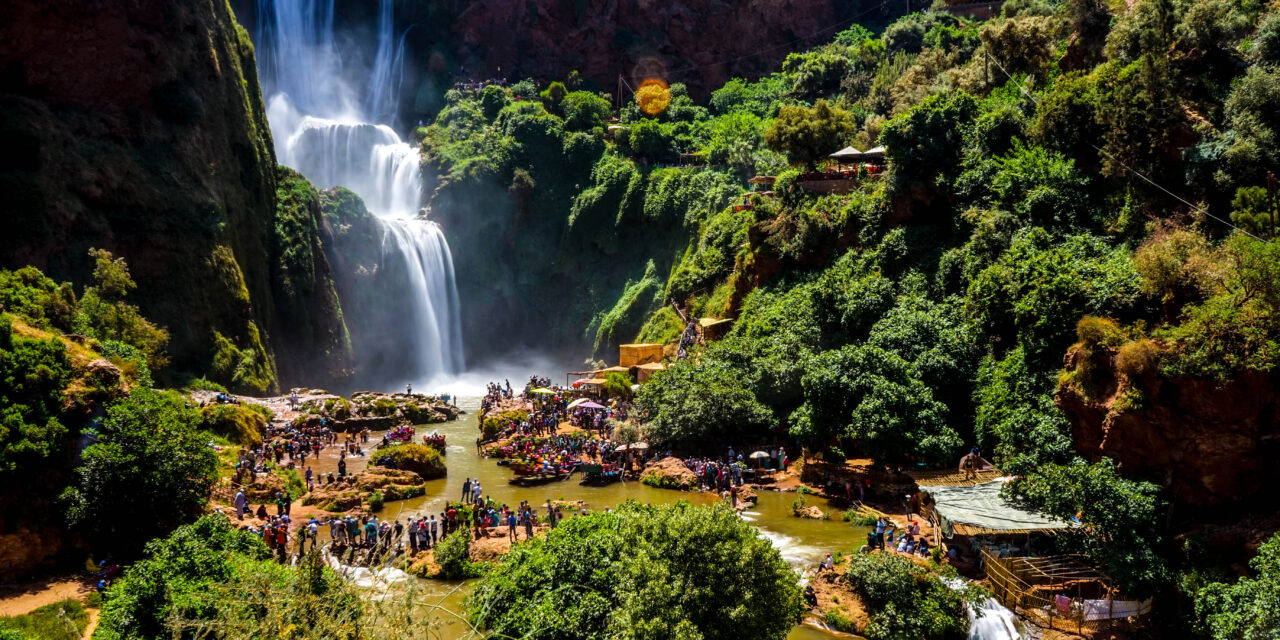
700	42
138	127
1208	443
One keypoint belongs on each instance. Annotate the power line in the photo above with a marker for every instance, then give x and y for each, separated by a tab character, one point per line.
1121	162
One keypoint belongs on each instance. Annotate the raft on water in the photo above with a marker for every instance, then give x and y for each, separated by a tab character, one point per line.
541	477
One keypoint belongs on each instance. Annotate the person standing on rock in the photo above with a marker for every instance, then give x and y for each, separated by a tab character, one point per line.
241	504
413	535
408	389
511	525
476	492
435	531
342	467
311	482
466	490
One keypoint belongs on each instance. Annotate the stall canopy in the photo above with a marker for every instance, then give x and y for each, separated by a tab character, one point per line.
876	153
846	154
981	509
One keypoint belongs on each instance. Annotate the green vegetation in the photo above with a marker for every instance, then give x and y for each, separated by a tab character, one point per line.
494	423
1248	608
420	459
243	424
147	470
65	620
906	599
453	554
671	571
210	573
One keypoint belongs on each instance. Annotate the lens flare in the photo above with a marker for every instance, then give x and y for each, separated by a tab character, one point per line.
653	96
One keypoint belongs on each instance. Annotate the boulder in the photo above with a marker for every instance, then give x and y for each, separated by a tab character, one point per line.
669	473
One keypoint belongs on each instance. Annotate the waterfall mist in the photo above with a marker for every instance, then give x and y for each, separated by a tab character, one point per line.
329	117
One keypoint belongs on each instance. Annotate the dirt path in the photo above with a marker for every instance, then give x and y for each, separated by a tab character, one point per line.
18	600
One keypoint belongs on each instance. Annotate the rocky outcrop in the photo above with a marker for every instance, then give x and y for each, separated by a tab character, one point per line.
1208	442
138	127
669	473
371	410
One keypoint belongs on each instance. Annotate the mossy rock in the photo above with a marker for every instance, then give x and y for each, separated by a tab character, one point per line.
420	459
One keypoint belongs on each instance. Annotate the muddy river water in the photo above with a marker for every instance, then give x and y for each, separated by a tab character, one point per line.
802	542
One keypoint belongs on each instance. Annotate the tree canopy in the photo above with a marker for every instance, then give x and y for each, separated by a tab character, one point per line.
677	571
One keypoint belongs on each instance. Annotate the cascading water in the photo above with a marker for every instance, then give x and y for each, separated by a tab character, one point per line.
991	620
324	128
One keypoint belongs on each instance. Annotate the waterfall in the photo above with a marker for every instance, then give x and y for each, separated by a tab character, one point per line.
990	620
326	130
993	621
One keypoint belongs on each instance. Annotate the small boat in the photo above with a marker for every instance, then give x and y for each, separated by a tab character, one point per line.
540	478
434	440
598	475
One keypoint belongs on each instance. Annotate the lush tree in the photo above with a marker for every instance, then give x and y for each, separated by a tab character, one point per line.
1266	40
212	576
148	470
1015	419
492	99
584	110
554	93
694	402
33	374
1238	327
1039	288
926	140
175	576
1120	518
872	395
1252	209
653	140
1249	609
807	135
1252	113
906	599
106	315
675	571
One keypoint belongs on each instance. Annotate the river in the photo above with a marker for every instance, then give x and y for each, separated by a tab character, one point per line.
802	542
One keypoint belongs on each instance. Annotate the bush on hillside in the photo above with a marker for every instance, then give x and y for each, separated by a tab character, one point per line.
147	470
420	459
907	600
243	424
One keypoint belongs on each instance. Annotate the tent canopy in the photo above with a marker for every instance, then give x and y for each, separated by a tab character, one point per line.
876	153
980	507
847	153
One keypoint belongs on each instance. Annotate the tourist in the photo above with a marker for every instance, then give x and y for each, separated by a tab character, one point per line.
413	535
475	492
311	483
466	490
511	525
827	564
435	531
241	504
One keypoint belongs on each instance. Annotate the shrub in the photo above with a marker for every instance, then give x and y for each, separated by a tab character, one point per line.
1094	331
238	423
453	554
294	485
836	619
420	459
905	599
64	620
1138	358
494	423
148	470
633	573
375	501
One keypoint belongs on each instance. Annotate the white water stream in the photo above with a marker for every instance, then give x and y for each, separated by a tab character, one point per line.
329	118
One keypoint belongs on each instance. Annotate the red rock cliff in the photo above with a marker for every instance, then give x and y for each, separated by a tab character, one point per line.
1209	443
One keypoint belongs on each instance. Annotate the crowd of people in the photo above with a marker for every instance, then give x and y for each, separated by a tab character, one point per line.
909	540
